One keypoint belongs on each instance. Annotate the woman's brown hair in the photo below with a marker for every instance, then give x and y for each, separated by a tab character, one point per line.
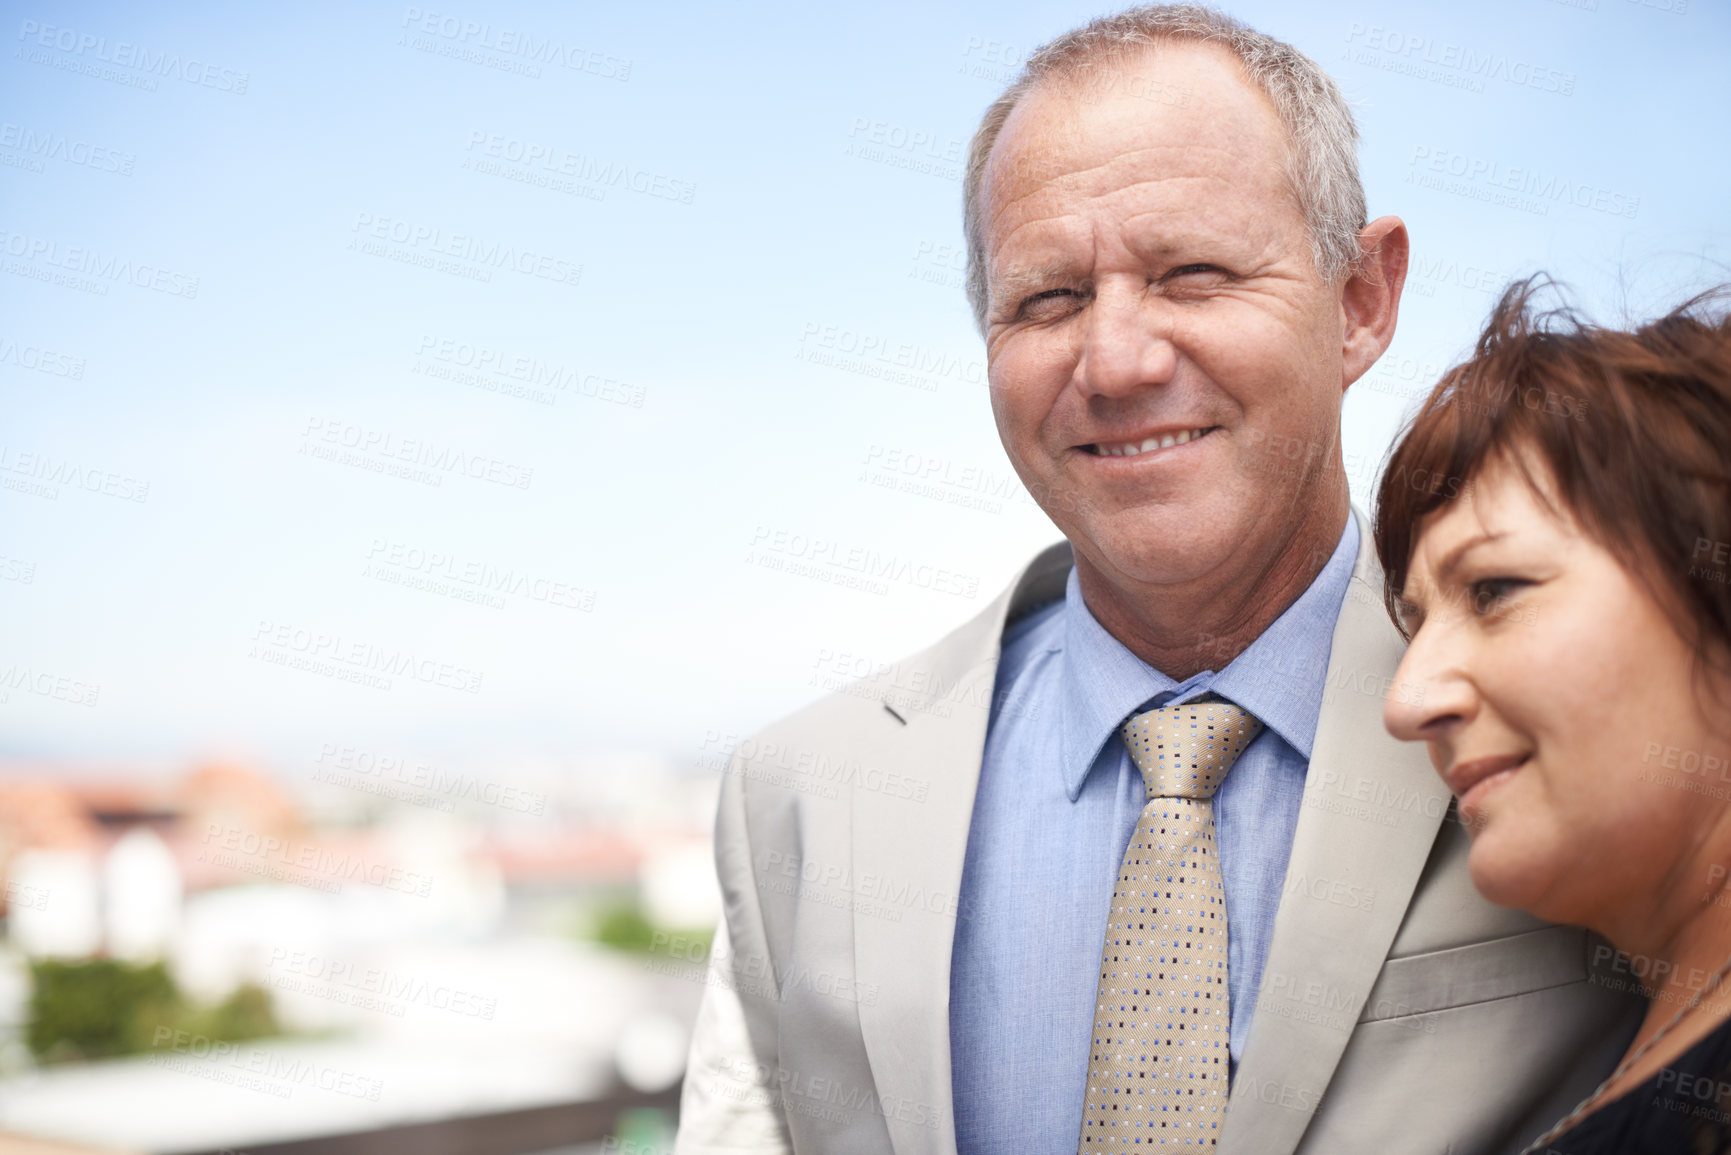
1634	428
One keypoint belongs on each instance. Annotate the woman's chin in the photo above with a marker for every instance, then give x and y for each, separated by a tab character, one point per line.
1502	879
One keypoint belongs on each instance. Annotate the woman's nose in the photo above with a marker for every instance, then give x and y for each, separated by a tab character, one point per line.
1430	696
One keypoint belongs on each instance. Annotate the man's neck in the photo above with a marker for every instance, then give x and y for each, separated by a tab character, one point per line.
1183	629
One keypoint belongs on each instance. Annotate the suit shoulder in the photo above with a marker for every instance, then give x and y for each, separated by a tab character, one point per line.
941	683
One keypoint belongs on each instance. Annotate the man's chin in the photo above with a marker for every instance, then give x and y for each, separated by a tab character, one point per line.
1155	551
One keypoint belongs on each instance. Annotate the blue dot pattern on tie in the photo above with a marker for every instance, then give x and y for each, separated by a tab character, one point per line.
1157	1069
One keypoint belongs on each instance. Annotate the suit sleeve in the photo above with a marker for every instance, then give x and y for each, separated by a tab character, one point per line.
731	1102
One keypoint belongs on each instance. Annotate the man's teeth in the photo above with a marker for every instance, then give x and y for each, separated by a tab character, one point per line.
1163	441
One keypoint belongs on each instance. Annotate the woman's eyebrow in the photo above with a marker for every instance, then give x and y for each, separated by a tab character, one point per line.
1452	559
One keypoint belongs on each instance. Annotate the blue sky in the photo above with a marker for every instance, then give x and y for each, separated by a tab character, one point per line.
451	379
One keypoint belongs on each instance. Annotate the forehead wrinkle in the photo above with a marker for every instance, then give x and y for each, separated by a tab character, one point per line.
1163	185
1166	238
1228	170
1011	280
1232	145
1066	181
1022	272
1070	211
1220	210
1240	112
999	205
1180	153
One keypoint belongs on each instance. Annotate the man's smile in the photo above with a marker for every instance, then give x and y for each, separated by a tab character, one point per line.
1158	440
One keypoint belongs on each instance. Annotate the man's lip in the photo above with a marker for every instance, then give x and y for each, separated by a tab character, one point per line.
1147	440
1466	778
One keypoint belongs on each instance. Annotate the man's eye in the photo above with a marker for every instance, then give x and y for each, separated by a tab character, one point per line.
1188	270
1049	303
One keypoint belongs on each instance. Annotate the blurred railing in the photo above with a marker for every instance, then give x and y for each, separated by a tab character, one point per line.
503	1133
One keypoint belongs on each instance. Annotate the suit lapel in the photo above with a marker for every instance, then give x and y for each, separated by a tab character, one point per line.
1372	807
911	856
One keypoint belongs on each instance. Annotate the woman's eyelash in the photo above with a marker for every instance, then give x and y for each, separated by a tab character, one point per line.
1488	592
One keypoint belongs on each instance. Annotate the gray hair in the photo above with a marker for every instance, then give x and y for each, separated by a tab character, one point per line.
1323	165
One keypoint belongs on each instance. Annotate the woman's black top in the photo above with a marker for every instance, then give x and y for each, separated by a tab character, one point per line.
1683	1110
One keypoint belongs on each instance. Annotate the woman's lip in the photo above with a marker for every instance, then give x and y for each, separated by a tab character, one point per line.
1483	780
1463	775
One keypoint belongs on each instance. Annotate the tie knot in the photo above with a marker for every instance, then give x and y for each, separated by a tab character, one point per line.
1185	751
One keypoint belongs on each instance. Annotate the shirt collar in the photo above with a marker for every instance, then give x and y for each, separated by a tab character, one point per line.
1280	678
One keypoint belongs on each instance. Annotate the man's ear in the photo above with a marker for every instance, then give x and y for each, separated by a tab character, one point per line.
1370	298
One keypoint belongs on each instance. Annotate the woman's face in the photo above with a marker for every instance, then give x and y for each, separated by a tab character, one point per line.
1557	702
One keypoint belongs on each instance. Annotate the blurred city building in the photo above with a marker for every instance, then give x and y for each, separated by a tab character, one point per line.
432	945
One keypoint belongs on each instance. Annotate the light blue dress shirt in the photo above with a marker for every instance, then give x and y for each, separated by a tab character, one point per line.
1058	801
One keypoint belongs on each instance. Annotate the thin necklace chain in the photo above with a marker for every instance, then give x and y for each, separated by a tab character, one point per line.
1574	1116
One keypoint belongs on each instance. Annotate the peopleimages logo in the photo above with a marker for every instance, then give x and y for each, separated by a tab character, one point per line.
300	861
356	661
423	244
51	471
812	556
46	145
84	47
478	579
472	364
46	685
40	359
560	162
332	439
1532	189
529	49
1470	66
94	263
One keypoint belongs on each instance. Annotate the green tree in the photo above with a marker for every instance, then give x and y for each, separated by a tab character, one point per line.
97	1008
623	927
94	1008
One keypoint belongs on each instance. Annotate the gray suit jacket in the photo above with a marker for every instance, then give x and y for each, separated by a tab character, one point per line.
1399	1012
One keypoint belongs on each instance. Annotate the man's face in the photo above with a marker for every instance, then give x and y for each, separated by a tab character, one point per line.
1166	364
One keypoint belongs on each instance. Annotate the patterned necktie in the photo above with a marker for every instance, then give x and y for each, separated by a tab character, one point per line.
1157	1070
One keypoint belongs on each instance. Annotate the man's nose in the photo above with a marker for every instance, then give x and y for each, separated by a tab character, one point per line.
1126	344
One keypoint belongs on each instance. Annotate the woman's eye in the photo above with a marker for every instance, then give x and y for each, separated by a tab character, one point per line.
1489	595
